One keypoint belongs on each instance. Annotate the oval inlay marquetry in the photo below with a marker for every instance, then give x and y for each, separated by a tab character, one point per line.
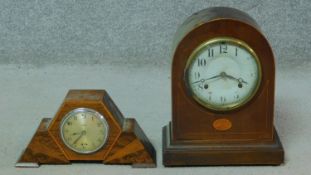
222	124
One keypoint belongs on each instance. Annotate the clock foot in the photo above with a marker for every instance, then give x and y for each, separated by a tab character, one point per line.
192	154
27	165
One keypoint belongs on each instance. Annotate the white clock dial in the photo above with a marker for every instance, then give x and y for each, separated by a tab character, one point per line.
223	73
84	130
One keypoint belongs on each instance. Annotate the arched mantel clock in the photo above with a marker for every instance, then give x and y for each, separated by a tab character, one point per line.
223	81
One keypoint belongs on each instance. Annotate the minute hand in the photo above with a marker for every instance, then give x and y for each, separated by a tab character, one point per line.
202	80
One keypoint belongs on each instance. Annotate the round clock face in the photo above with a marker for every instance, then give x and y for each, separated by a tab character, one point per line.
223	74
84	130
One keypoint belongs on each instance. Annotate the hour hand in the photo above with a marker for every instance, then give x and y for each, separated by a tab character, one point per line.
240	80
80	136
75	133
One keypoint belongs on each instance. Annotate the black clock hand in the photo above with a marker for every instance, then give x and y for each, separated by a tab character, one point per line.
75	133
202	80
80	136
240	80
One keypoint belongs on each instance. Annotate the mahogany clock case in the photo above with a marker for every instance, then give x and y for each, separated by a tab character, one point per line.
127	143
191	138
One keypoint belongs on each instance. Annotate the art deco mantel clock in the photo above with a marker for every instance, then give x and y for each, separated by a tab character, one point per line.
223	78
88	127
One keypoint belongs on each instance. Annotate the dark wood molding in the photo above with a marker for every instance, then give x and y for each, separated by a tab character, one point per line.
193	154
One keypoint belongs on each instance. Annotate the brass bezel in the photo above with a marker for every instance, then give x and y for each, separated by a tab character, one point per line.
199	49
95	113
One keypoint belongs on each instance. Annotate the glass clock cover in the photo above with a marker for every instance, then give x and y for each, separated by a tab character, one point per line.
84	130
223	74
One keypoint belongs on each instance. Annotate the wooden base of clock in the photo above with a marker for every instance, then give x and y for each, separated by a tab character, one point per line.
191	154
132	147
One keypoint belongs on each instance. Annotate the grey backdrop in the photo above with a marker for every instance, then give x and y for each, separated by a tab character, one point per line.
42	32
49	46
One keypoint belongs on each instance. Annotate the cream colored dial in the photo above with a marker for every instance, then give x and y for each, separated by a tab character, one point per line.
223	74
84	130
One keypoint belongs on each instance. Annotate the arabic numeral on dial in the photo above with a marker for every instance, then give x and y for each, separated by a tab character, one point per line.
223	48
209	96
236	51
200	86
197	75
201	62
210	52
83	116
237	96
223	100
84	145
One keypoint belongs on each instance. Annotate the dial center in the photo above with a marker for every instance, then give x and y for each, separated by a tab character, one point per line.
224	65
84	130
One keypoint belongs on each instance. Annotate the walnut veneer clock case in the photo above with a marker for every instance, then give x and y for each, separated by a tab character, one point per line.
88	127
223	81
